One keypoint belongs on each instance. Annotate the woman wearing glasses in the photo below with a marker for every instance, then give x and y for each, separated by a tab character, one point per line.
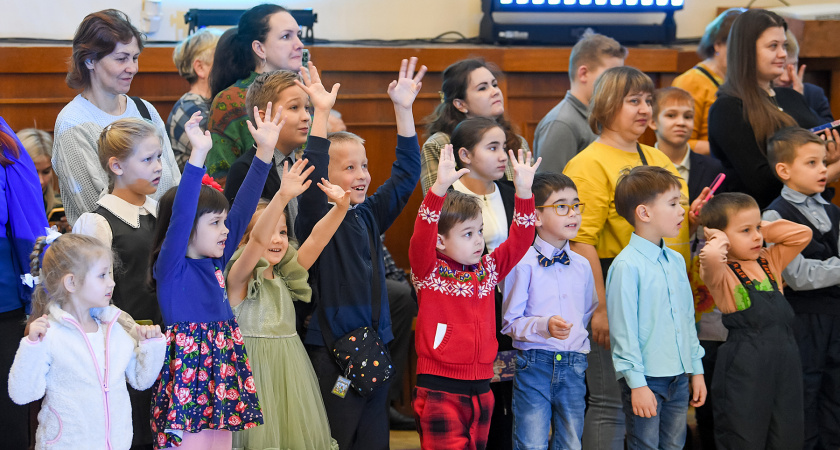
620	111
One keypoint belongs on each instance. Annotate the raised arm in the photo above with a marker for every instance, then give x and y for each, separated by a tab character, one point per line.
403	91
714	268
327	226
789	238
321	99
292	184
174	247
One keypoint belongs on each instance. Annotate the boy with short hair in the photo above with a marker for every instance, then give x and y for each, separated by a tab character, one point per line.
565	131
548	301
673	120
350	269
651	313
758	397
813	277
456	324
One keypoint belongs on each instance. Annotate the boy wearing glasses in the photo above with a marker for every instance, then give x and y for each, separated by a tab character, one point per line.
549	298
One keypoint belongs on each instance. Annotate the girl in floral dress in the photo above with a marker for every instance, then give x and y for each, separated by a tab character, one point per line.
205	390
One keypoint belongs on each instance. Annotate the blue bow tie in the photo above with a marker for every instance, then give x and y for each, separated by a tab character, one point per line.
562	258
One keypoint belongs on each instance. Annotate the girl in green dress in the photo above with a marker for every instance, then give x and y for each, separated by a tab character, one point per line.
263	278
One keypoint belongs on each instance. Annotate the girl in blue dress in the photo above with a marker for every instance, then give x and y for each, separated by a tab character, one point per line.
206	388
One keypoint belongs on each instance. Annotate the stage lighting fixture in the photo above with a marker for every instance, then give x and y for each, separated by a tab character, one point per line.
563	22
200	18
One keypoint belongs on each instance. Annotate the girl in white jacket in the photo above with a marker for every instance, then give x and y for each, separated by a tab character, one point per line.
77	356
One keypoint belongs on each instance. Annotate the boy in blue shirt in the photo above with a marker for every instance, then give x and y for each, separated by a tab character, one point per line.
813	277
548	301
651	312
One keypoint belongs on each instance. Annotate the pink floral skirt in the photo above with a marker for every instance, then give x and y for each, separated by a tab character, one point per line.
205	383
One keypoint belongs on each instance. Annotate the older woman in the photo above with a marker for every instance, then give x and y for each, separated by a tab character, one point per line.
703	80
193	58
265	40
749	109
105	52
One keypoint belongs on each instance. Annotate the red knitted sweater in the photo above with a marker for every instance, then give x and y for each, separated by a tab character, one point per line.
456	323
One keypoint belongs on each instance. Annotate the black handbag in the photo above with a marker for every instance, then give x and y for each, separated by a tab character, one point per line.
362	356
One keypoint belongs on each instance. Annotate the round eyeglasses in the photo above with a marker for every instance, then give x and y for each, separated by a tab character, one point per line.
563	209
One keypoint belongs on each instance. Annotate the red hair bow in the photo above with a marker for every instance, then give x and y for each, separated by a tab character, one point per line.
207	180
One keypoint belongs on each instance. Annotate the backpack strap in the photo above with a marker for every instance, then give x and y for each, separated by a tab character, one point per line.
708	75
141	107
745	280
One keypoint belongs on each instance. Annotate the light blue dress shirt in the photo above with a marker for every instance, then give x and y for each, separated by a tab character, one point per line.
532	294
650	309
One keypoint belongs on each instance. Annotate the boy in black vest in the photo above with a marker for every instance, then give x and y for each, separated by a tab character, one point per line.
813	277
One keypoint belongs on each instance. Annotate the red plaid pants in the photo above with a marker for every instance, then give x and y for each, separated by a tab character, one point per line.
448	421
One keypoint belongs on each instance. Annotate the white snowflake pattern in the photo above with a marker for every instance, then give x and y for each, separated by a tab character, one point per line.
428	215
525	220
437	284
484	290
461	289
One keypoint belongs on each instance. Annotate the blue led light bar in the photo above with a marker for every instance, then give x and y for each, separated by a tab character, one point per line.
605	6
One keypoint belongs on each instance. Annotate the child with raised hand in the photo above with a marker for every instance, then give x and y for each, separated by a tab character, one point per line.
205	390
264	277
124	219
350	272
456	324
758	377
74	356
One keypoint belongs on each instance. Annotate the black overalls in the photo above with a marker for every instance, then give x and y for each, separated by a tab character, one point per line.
758	376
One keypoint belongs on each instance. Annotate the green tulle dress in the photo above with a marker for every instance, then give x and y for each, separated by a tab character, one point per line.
291	401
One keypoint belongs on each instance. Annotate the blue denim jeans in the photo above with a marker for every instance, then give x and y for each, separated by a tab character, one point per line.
548	391
666	430
603	428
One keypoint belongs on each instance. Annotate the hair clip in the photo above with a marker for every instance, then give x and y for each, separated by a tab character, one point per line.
207	180
442	97
52	234
108	128
29	280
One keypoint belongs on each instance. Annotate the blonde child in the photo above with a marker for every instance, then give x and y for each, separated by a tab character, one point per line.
264	277
39	143
206	389
279	88
758	376
74	357
124	220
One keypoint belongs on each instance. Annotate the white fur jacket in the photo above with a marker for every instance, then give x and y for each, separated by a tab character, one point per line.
80	409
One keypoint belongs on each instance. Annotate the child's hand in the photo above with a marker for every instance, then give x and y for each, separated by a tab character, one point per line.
38	328
600	327
320	98
523	172
447	172
559	328
148	332
694	210
336	194
201	141
643	401
294	181
698	390
404	90
267	130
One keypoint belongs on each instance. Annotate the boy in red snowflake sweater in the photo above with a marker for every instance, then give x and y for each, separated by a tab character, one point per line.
456	324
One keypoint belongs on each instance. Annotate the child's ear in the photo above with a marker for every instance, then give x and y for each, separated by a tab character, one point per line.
653	125
69	282
642	213
262	115
783	171
201	69
539	212
439	244
464	154
115	165
582	74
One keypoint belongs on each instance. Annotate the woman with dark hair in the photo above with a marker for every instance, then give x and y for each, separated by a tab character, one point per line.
22	220
749	110
105	52
469	89
267	39
704	79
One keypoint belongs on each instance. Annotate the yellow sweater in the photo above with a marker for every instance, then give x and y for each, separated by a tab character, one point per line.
595	171
705	93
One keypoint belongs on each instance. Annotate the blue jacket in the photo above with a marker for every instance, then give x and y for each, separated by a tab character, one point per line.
341	278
